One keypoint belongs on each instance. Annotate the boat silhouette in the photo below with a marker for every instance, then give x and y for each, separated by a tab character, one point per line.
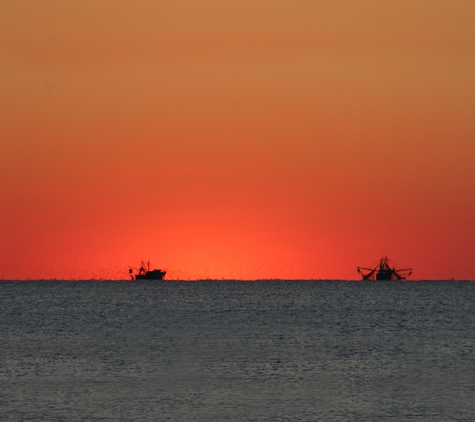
383	271
145	273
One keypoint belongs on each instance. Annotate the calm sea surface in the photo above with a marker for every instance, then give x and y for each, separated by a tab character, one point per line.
237	351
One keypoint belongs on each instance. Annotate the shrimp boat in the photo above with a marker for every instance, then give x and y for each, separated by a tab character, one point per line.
145	273
383	271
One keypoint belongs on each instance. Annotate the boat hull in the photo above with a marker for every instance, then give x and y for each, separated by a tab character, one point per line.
151	275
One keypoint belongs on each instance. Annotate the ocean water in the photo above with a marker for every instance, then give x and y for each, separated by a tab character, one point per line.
237	351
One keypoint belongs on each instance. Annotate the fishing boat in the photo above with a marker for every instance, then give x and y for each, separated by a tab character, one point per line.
383	271
145	273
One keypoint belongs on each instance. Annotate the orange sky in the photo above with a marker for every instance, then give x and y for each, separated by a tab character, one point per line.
238	139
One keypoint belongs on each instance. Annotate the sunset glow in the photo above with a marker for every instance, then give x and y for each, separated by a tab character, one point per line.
238	140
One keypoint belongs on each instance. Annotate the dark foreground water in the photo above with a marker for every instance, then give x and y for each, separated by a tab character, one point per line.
237	351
